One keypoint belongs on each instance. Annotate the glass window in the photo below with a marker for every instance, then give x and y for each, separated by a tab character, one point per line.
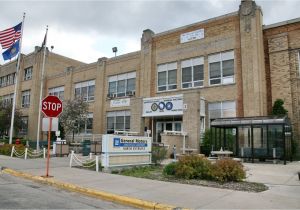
121	85
192	73
86	127
57	91
28	73
221	68
25	99
86	90
167	76
24	125
118	120
221	109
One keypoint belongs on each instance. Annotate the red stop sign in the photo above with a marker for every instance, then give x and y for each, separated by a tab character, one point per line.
52	106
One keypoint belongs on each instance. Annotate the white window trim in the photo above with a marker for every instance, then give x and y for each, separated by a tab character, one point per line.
28	76
86	84
214	60
119	77
116	114
25	93
192	64
222	110
166	67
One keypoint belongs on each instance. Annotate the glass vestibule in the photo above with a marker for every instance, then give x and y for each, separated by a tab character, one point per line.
255	138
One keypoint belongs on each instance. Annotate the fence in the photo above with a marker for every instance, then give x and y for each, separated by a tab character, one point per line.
28	153
89	162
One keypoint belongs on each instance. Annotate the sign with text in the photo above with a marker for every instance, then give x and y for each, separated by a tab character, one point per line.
191	36
120	102
163	106
126	144
52	106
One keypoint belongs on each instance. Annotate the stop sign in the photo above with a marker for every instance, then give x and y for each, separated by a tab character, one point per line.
51	106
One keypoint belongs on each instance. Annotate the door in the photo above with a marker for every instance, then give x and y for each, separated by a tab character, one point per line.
159	130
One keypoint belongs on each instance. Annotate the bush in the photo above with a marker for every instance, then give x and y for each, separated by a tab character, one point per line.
202	167
170	169
228	170
6	149
158	154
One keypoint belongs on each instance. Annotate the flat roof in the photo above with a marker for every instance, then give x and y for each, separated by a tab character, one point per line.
240	121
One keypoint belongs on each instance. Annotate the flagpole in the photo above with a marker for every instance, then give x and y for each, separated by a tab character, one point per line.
41	94
16	84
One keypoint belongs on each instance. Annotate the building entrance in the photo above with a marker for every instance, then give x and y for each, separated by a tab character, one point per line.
167	125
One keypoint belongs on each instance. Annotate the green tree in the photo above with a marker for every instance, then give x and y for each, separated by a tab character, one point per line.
75	113
278	108
5	119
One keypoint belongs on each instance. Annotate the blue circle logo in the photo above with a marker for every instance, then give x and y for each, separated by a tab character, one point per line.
169	105
161	105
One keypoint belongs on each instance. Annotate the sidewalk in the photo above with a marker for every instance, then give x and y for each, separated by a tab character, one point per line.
284	192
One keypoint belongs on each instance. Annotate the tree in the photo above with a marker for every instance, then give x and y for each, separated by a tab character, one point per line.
5	119
278	108
74	114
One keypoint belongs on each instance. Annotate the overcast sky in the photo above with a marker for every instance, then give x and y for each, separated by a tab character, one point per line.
87	30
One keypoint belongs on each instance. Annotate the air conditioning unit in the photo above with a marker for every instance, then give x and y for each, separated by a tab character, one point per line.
131	93
111	95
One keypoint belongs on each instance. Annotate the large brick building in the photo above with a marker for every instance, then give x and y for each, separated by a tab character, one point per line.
181	79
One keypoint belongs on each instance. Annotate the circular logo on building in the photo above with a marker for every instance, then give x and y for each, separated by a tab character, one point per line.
161	105
169	105
154	107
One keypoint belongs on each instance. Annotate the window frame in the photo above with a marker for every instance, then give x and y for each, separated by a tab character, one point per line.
25	102
221	58
114	115
167	67
116	79
58	91
192	66
87	97
221	103
27	73
24	129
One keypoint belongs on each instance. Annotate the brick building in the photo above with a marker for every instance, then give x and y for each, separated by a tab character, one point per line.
180	80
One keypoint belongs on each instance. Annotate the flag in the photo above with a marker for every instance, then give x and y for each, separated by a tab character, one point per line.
12	51
44	42
9	36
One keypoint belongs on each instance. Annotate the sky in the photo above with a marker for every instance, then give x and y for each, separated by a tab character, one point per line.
88	30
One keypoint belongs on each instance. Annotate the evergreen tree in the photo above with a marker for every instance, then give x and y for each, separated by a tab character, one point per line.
278	108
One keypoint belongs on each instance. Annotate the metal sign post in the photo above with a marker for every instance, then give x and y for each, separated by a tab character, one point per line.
48	155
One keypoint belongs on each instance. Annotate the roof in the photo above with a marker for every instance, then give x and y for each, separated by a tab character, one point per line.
239	121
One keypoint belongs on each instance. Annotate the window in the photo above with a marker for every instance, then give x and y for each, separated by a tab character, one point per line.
87	126
28	73
221	68
121	85
86	90
7	99
167	76
192	73
25	99
24	126
7	80
57	91
119	120
221	109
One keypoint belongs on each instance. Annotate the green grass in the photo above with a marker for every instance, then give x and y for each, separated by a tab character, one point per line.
142	172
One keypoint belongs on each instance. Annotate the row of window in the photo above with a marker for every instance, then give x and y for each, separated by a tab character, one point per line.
7	80
7	99
221	71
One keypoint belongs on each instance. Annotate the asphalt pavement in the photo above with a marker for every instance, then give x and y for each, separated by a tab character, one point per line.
282	180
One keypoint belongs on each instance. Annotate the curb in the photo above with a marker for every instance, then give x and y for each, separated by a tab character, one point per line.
91	192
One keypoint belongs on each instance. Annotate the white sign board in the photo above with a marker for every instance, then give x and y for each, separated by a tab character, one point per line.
121	144
191	36
120	102
163	106
46	121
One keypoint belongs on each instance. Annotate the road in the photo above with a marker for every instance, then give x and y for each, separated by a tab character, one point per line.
16	193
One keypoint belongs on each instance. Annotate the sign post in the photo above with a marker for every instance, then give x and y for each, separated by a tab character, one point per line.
51	107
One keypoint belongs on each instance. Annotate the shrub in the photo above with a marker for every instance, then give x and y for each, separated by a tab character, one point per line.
6	149
158	154
228	170
201	166
170	169
185	171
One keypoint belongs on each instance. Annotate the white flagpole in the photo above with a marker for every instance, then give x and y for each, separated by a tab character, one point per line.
41	94
16	84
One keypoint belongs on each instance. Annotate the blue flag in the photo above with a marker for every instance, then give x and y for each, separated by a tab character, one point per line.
11	52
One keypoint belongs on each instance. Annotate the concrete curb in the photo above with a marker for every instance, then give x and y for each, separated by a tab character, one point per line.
91	192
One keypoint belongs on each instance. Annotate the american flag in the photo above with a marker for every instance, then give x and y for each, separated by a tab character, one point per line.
9	36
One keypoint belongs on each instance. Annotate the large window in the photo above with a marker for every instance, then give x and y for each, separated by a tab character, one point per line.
28	73
7	80
86	127
25	99
192	73
221	68
119	120
86	90
121	85
221	109
57	91
167	76
7	99
24	125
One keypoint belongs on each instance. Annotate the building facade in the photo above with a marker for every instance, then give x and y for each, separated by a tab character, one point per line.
180	80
